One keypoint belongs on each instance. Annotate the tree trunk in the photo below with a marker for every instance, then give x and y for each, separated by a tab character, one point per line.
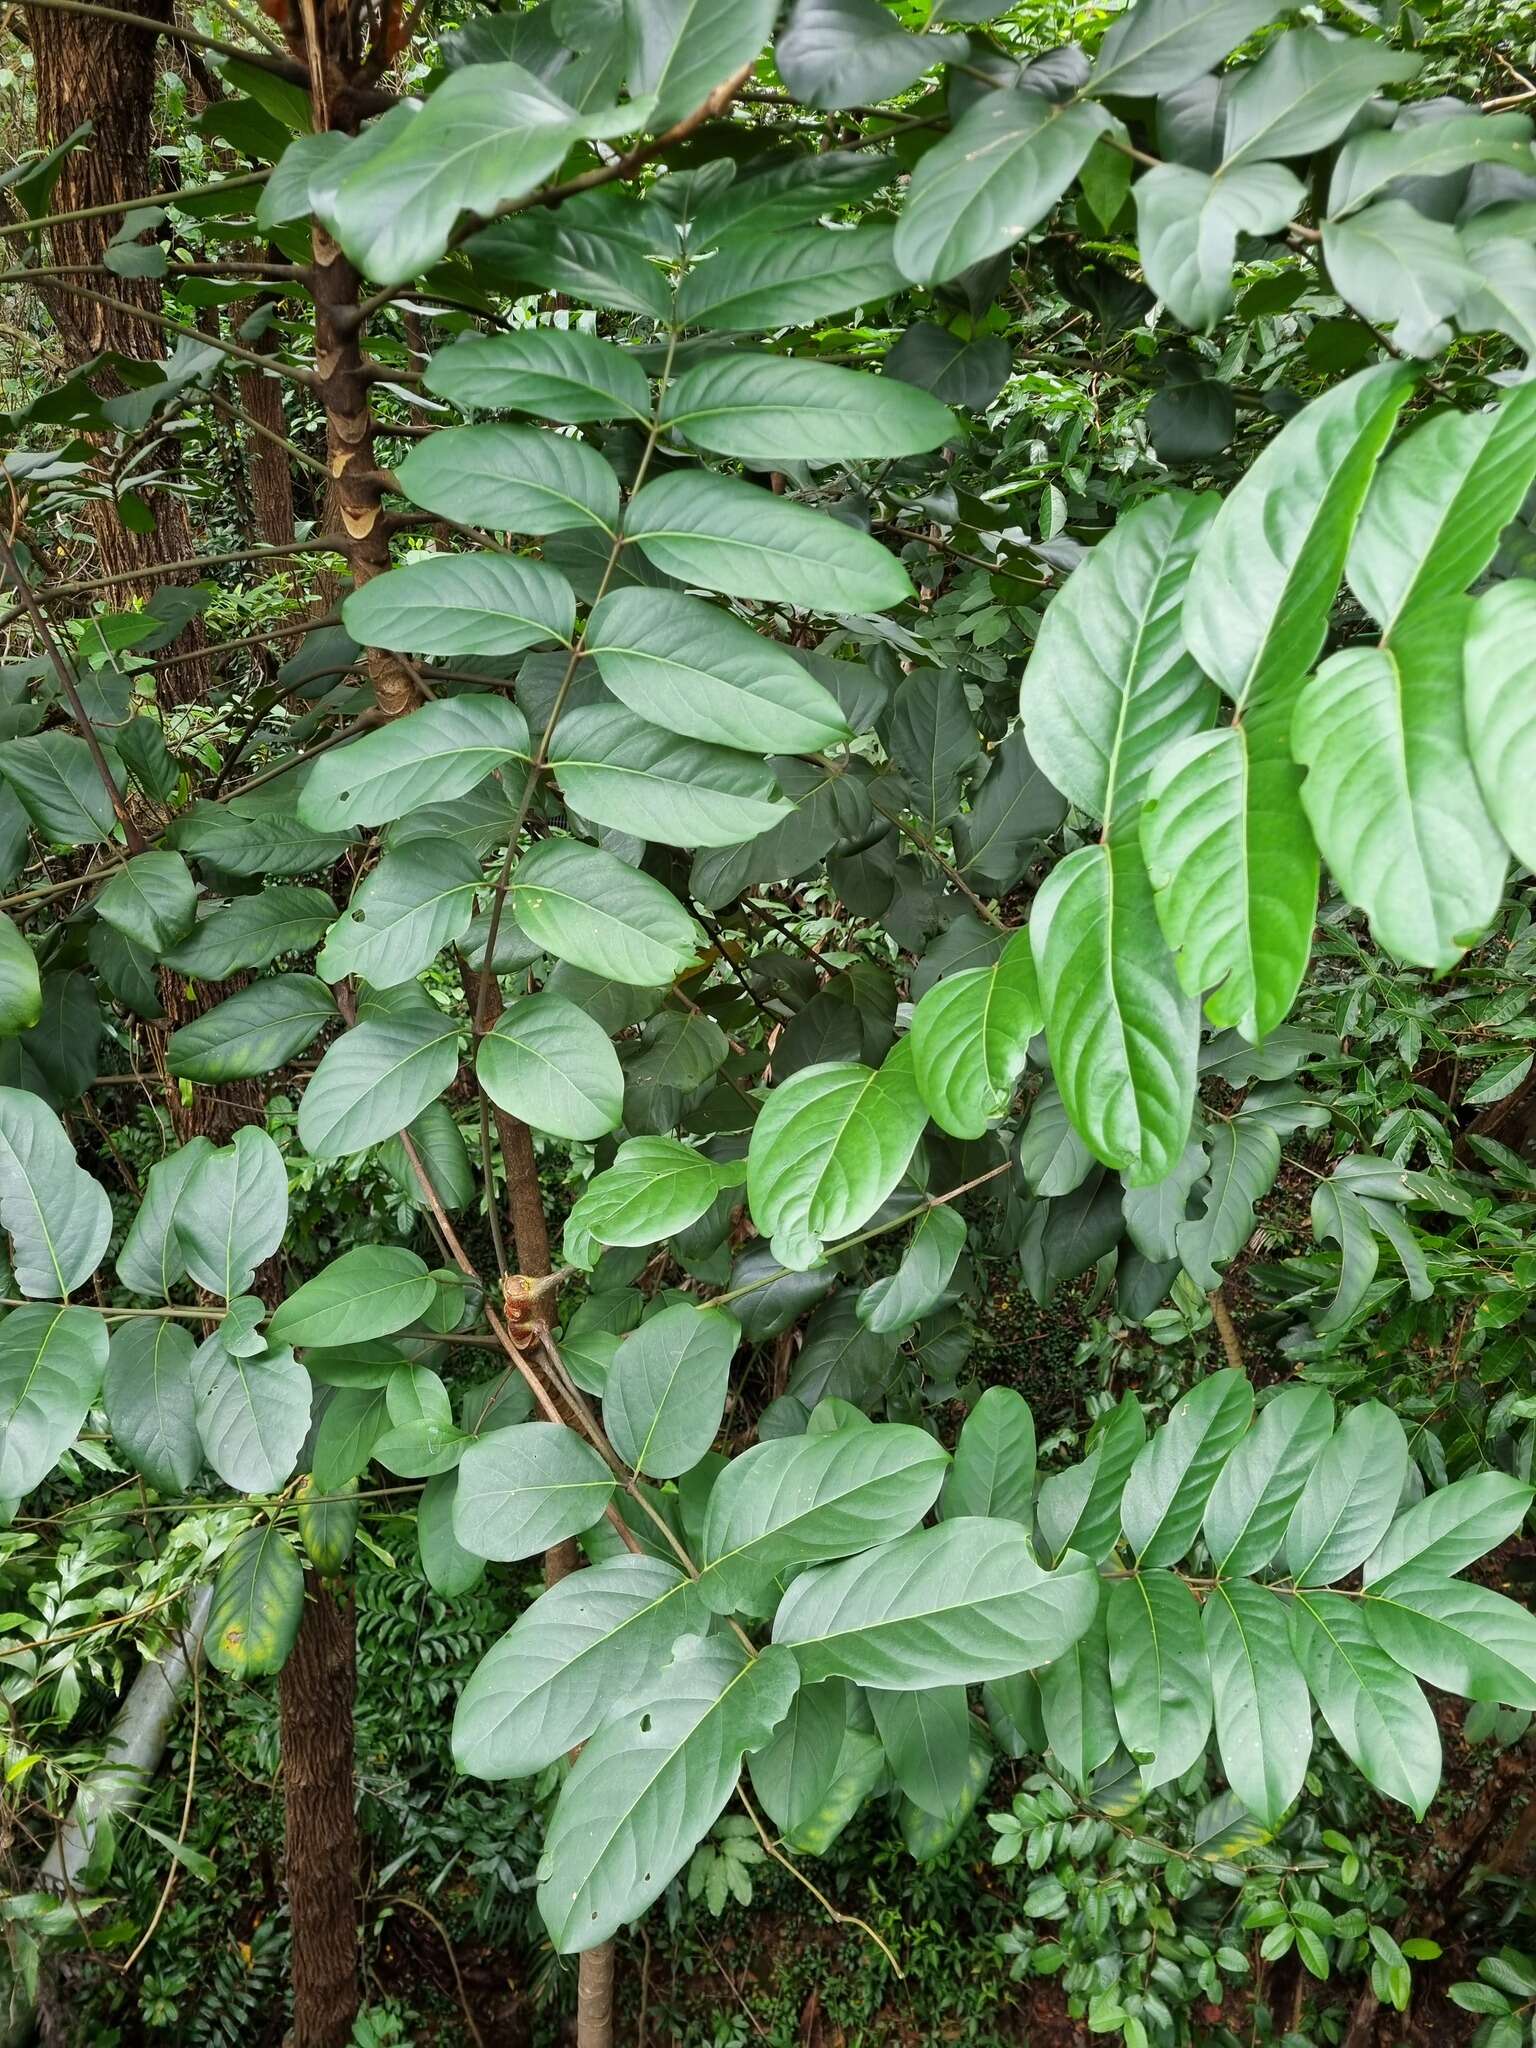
315	1693
88	70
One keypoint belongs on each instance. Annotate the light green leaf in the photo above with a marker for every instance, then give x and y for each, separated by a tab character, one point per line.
927	1740
1500	731
1263	1714
652	1782
459	604
355	1418
327	1525
654	1188
1171	1481
403	912
511	480
151	1260
370	1291
830	1144
21	991
1350	1497
253	1031
795	1774
1374	1710
665	1391
450	1569
1121	1032
550	1064
1391	790
1339	1214
735	537
1402	271
619	769
1459	1637
994	1469
970	1033
232	1212
430	756
524	1489
1080	1507
51	1366
557	373
682	51
148	1396
56	1216
1305	90
378	1077
1370	161
1257	1488
789	279
804	1499
1153	1215
953	1605
1189	222
252	1415
587	906
918	1285
253	931
1159	1673
554	1677
997	174
1158	44
766	409
151	901
1077	1704
1451	1527
59	788
258	1603
693	668
838	53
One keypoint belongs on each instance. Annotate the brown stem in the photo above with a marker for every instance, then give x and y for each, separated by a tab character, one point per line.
1226	1329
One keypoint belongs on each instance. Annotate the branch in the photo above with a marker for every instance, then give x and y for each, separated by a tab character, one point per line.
273	364
280	67
117	206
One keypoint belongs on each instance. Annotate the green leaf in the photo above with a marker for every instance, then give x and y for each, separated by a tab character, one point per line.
970	1033
1402	271
1374	1710
148	1396
524	1489
919	1284
457	604
1451	1527
285	196
51	1366
1171	1481
723	534
441	1149
654	1188
1499	731
830	1144
787	190
619	769
21	992
1350	1496
652	1782
511	480
1263	1715
252	1415
1459	1637
252	931
665	1391
370	1291
487	135
1080	1508
1259	597
838	53
1391	790
1110	683
1153	1216
588	907
450	1569
1159	44
59	788
1256	1489
1373	159
1338	1214
1014	809
258	1603
994	1469
327	1525
151	901
554	1677
766	409
927	1739
1305	90
953	1605
1189	223
996	175
1077	1704
682	50
232	1212
931	736
252	1032
550	1064
56	1216
790	279
1159	1674
354	1420
430	756
1121	1032
378	1077
557	373
151	1260
698	671
804	1499
403	912
796	1772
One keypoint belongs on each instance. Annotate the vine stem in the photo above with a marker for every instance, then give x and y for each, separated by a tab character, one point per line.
842	1919
113	207
1226	1329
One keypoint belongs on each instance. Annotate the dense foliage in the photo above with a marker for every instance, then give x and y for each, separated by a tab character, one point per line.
859	574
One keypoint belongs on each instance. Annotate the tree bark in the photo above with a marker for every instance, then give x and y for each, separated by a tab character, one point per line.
315	1694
